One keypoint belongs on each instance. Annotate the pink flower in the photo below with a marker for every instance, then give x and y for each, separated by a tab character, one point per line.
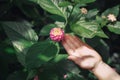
56	34
65	76
36	78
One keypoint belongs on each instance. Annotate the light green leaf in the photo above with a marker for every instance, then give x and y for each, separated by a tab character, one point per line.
101	21
84	1
59	58
40	53
114	28
85	29
64	4
101	34
52	7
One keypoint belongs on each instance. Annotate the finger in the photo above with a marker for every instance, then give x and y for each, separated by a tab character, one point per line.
67	47
76	41
70	42
79	49
81	42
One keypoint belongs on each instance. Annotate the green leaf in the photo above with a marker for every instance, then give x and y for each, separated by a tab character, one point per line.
56	71
64	4
21	35
114	28
57	18
59	58
29	10
52	7
40	53
100	46
31	74
84	1
46	29
74	76
92	13
101	34
114	10
18	75
101	21
85	29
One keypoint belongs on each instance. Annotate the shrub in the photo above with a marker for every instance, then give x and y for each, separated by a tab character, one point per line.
27	23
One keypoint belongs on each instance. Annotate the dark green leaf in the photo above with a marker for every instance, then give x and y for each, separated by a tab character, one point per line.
40	53
114	10
57	71
100	46
31	74
74	76
51	6
22	36
57	18
30	11
114	28
20	33
46	29
18	75
92	13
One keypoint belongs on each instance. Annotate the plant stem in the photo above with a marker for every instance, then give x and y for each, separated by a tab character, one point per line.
71	12
68	19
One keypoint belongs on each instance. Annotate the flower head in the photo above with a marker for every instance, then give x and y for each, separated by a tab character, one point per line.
111	17
65	76
84	10
56	34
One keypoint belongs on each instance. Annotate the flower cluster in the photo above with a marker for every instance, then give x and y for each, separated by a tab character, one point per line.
56	34
111	17
84	10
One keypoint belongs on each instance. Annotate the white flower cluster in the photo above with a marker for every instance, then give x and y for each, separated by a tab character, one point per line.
111	17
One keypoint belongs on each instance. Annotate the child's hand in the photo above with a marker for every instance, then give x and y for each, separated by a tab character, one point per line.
79	52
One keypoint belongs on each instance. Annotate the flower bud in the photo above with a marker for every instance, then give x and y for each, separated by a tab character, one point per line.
56	34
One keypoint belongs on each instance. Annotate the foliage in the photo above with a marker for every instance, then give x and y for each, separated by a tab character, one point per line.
27	24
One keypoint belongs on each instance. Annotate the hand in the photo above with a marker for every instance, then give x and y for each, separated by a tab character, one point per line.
79	52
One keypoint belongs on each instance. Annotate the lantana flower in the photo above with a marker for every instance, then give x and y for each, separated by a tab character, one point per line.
111	17
84	10
56	34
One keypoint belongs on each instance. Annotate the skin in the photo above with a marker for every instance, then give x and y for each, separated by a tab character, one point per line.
87	58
